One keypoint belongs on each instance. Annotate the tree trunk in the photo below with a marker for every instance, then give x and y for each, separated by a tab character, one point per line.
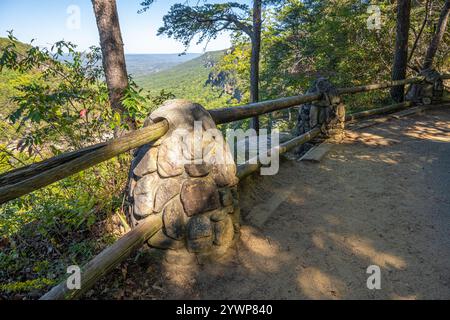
441	27
401	48
113	55
256	52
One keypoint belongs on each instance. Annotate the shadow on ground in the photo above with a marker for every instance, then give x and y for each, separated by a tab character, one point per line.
381	198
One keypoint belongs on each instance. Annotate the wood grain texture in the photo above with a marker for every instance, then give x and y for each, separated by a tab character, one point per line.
401	48
249	167
231	114
26	180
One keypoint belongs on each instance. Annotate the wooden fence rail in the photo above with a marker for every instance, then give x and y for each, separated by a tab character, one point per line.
37	176
231	114
107	260
22	181
377	111
253	165
379	86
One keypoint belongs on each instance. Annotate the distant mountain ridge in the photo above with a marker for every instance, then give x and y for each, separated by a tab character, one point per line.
187	76
145	64
137	64
189	80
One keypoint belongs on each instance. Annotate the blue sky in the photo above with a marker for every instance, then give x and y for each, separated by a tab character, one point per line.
47	20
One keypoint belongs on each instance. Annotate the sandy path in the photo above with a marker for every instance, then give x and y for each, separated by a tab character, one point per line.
382	197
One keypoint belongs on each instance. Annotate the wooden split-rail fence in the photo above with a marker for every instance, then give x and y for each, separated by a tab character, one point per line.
25	180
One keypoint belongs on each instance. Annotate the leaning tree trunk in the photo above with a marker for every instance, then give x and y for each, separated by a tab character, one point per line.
422	28
440	31
113	55
256	52
401	48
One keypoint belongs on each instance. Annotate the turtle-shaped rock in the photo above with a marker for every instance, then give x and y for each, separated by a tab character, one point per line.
188	178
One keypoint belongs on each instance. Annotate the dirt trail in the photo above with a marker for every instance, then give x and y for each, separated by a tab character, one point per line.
381	198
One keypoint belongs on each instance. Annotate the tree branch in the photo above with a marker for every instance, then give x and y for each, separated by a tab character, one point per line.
425	20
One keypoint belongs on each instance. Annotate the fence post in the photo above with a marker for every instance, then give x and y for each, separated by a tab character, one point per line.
188	178
428	91
328	112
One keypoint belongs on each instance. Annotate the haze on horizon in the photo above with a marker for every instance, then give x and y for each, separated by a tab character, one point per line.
48	21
